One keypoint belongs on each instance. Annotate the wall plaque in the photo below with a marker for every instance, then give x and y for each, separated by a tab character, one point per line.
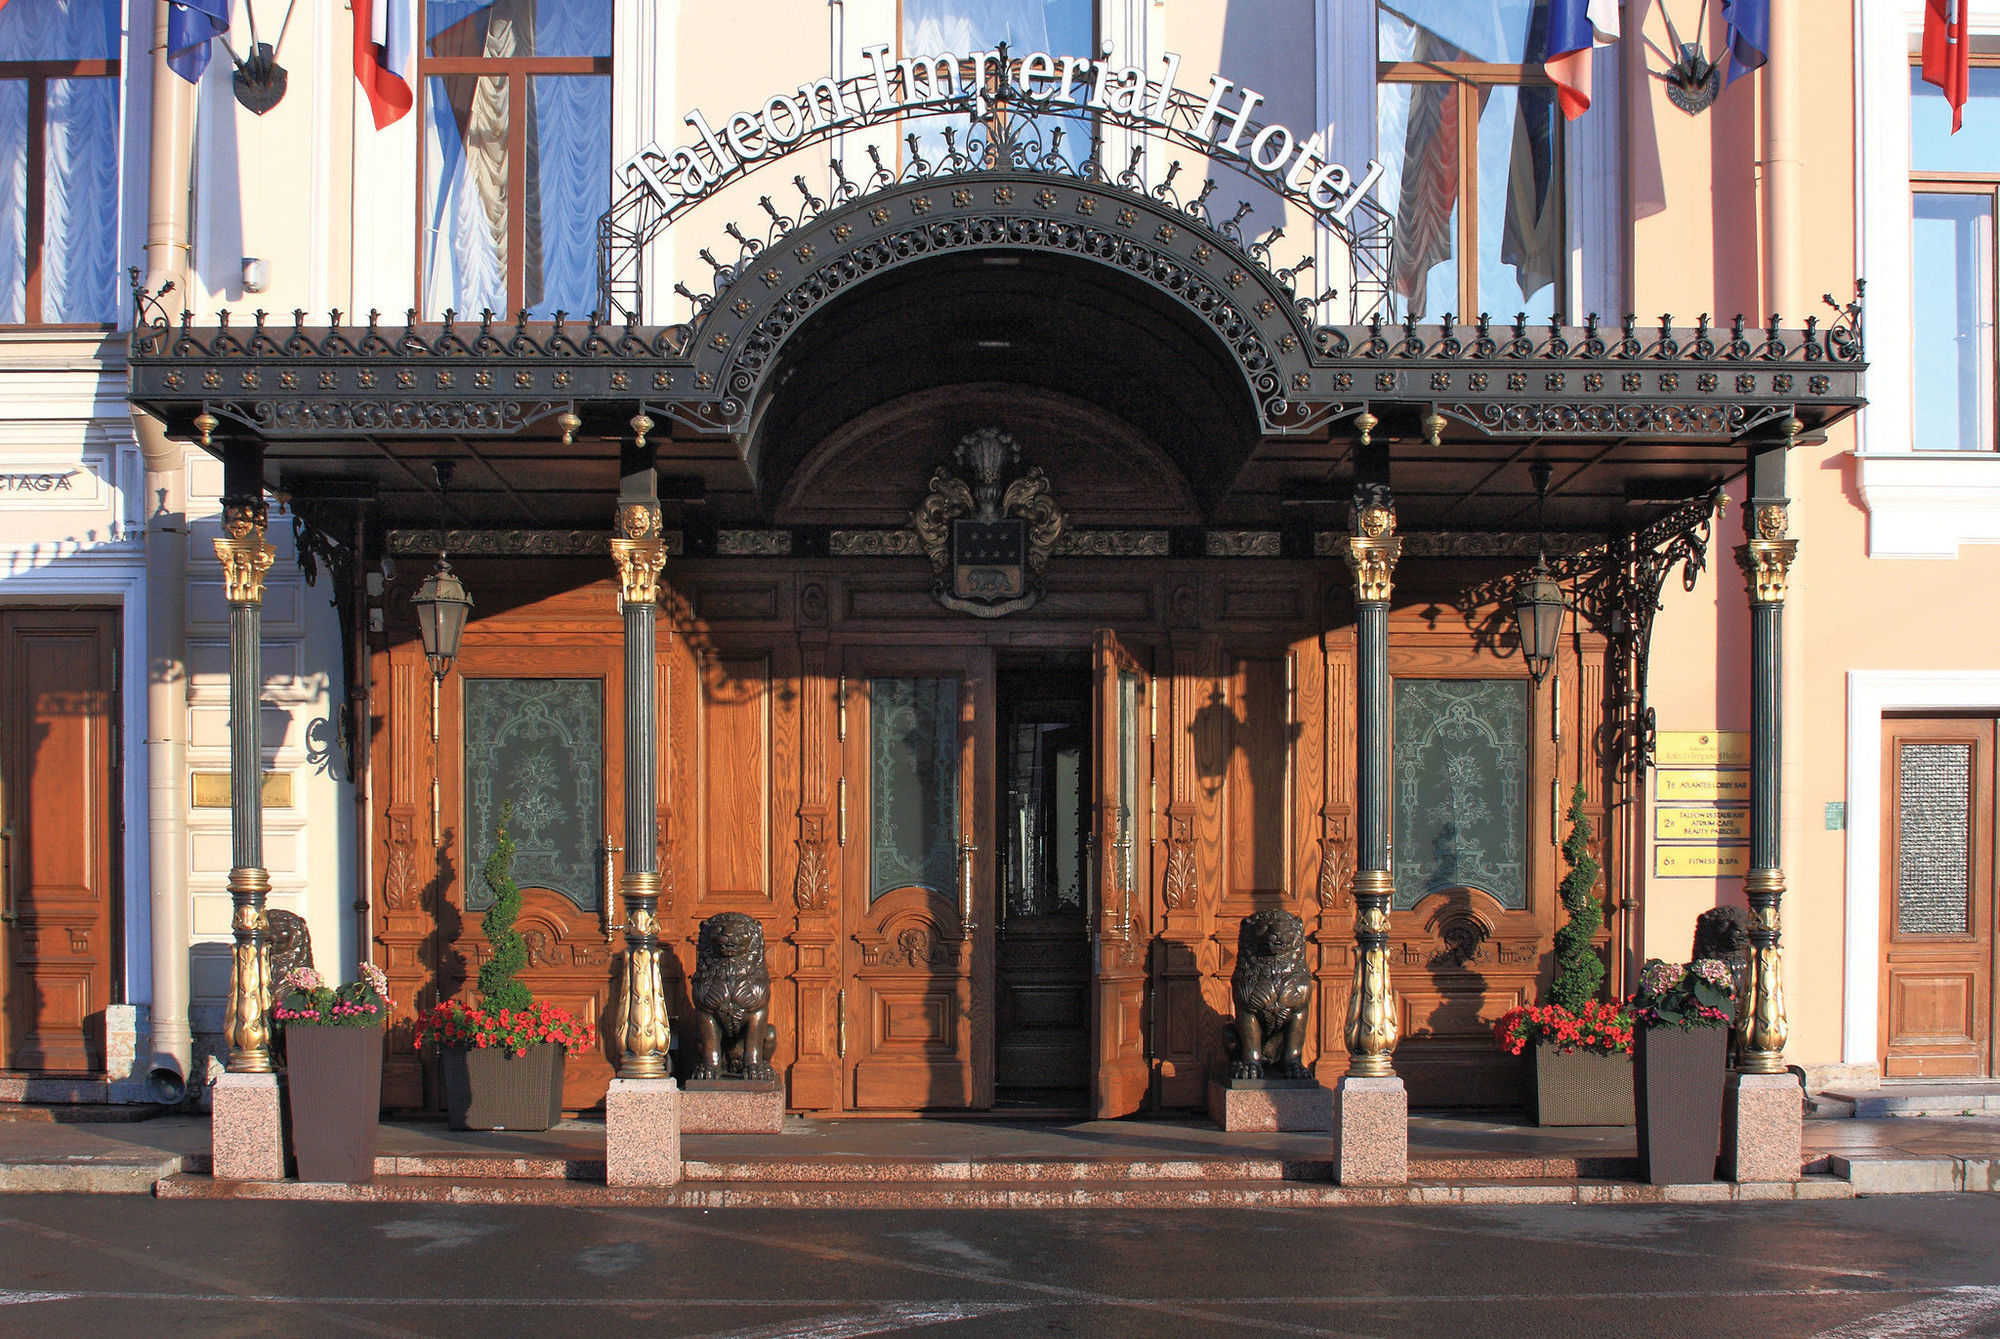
1700	862
1702	748
211	790
1700	823
1706	783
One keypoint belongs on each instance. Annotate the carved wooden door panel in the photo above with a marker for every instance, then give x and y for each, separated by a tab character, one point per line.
1937	898
1123	909
537	728
916	886
58	780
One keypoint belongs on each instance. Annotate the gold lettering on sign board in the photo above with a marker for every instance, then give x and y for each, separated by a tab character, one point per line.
1702	748
211	790
1700	862
1706	783
1700	823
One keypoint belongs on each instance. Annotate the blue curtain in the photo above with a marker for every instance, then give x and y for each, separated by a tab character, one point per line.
80	202
572	174
13	200
59	30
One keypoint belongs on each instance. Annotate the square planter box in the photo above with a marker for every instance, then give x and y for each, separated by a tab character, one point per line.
333	1085
487	1089
1582	1087
1678	1077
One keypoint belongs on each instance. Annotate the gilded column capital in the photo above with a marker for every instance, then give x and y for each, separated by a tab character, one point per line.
244	555
1766	557
640	562
1373	549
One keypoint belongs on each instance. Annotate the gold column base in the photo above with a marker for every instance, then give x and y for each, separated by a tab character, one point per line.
1761	1030
1371	1004
248	1030
642	1012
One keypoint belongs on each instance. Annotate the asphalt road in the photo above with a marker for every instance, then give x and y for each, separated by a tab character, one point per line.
104	1265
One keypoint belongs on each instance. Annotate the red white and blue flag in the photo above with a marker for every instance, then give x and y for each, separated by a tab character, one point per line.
382	57
1576	28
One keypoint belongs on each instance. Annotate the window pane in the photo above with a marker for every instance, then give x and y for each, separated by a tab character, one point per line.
1520	200
518	27
1933	148
13	200
913	784
963	27
61	30
1461	812
537	744
1499	32
1952	248
1933	839
80	202
1419	154
465	196
569	186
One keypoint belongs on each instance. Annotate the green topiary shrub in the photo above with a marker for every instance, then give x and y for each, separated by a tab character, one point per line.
1579	969
497	987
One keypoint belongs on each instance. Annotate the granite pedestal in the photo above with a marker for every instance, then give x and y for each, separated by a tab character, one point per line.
1371	1132
1262	1106
1763	1128
642	1133
247	1128
733	1106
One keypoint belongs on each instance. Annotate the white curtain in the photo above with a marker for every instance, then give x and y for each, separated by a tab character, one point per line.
13	201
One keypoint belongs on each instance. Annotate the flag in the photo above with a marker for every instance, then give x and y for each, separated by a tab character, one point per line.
382	57
190	25
1746	31
1947	54
1427	199
1575	28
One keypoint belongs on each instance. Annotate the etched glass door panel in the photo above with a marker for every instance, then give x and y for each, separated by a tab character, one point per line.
1461	788
913	784
538	745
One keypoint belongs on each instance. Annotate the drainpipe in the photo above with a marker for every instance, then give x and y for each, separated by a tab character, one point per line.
166	589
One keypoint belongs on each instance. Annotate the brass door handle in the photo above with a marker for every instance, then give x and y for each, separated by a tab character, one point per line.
840	1025
8	915
965	850
612	925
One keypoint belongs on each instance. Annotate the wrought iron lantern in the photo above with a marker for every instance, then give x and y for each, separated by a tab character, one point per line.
1539	603
442	602
1539	607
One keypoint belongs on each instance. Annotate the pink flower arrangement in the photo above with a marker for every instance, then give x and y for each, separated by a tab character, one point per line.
1700	994
304	999
467	1027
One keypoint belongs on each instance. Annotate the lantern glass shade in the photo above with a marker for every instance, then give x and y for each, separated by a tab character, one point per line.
442	605
1539	607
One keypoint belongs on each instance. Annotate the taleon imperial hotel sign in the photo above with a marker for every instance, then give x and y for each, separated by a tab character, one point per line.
1220	124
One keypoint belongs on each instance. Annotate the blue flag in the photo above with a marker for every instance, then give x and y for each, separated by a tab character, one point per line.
1747	32
190	25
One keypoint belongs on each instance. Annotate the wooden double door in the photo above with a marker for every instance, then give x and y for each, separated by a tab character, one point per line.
987	813
59	824
1938	1005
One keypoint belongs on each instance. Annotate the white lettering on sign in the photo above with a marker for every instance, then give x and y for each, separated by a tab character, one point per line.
717	154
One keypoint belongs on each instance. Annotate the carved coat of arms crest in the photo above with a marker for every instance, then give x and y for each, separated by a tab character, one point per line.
987	541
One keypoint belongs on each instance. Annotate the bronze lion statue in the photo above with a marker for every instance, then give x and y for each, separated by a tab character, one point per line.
732	999
1273	992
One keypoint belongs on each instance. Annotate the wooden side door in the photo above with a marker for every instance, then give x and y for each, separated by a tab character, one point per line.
1121	923
1937	998
916	887
58	779
537	727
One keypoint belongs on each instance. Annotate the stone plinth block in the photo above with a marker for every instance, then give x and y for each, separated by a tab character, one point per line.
1371	1132
733	1106
1260	1106
1763	1128
247	1128
642	1133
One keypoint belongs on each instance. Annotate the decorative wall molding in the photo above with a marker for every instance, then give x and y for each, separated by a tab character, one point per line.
515	543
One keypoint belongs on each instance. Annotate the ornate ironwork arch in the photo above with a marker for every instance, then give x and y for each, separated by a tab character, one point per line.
737	333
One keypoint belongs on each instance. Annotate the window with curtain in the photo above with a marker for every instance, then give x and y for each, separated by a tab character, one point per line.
59	163
1953	184
1471	141
517	153
1059	27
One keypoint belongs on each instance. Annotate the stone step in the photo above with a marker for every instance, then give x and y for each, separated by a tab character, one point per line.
76	1113
1921	1099
1160	1194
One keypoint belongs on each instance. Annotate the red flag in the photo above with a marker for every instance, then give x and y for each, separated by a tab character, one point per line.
1948	55
382	58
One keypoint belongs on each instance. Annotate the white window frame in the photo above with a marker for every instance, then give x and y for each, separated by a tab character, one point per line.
1920	504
